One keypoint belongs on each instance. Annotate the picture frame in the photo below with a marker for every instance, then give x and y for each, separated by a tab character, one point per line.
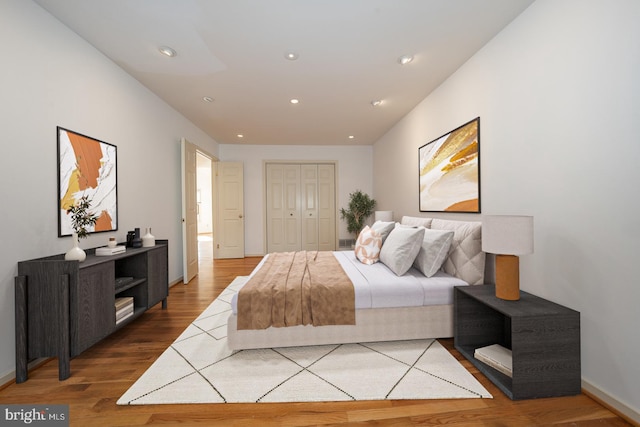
87	167
449	171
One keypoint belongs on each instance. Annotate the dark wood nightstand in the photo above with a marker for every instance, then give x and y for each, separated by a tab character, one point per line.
544	338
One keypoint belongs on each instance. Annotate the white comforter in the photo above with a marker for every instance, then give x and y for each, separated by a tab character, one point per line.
378	287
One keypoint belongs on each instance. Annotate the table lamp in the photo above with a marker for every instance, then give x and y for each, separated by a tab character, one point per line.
384	216
507	236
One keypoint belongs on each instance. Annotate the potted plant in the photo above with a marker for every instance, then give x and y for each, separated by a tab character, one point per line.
361	206
81	219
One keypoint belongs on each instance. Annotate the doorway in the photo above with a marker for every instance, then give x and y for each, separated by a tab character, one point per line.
204	204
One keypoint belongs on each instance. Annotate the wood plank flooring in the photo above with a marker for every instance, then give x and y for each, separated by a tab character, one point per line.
104	372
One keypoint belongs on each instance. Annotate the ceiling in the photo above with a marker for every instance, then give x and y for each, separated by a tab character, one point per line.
233	51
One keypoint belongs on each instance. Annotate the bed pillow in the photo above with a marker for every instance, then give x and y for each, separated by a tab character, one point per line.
384	228
368	246
416	221
466	259
433	251
401	248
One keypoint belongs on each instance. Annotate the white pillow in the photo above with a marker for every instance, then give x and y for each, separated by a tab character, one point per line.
416	221
401	248
368	246
384	228
433	251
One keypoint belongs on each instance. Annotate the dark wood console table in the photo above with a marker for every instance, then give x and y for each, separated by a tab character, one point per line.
65	307
544	339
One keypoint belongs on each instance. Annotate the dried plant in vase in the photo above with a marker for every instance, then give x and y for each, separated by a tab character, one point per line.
81	218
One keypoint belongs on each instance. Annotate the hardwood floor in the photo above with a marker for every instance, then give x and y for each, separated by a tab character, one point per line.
104	372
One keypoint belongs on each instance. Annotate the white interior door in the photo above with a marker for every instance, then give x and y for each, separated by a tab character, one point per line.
309	199
301	207
283	207
326	207
229	235
189	211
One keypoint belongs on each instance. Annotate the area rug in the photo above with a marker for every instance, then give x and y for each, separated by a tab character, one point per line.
200	368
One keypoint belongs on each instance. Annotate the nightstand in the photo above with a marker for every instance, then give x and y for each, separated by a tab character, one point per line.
544	339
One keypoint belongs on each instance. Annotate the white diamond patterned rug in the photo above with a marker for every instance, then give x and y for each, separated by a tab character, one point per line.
199	367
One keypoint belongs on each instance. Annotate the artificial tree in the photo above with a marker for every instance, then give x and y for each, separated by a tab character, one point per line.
361	206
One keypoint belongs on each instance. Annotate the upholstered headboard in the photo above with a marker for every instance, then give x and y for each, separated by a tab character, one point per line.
466	260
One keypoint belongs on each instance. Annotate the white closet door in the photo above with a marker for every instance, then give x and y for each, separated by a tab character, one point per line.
301	213
326	207
292	204
283	207
309	176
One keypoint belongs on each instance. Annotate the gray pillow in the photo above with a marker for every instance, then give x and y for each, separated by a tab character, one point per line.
433	251
383	228
401	248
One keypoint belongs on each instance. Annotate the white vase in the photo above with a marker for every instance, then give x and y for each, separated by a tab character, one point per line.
75	253
148	239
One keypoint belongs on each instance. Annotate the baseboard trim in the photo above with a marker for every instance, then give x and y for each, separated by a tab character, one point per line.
10	378
614	405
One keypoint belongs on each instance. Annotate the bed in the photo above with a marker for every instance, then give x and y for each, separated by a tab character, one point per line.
388	306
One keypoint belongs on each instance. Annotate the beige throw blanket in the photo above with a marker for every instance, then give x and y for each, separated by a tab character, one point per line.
297	288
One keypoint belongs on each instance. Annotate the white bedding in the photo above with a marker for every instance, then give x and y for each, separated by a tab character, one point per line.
378	287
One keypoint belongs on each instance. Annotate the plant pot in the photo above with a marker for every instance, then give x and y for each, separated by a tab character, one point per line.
75	253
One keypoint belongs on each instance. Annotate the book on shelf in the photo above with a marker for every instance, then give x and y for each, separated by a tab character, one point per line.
124	308
123	318
107	251
496	356
125	312
123	301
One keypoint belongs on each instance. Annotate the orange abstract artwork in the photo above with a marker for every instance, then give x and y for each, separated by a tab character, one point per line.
86	167
449	171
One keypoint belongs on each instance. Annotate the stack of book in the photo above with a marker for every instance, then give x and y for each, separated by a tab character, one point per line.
107	251
496	356
124	308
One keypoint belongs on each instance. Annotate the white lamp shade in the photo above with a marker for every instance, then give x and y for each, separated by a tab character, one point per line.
507	234
385	216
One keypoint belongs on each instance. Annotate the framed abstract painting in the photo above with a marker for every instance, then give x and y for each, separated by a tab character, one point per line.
449	171
87	167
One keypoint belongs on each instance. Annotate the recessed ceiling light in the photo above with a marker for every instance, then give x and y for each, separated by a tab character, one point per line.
376	102
207	98
351	137
167	51
294	101
405	59
240	135
291	56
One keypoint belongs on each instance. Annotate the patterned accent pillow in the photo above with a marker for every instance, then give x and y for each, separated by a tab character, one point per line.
368	246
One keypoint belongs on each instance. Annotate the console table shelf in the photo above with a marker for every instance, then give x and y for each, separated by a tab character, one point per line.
65	307
544	339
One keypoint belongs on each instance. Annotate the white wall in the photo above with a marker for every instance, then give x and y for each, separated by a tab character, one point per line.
558	96
354	173
50	77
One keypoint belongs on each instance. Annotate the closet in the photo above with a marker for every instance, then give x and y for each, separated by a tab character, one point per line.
301	206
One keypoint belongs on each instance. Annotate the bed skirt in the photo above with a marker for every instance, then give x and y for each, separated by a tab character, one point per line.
374	324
